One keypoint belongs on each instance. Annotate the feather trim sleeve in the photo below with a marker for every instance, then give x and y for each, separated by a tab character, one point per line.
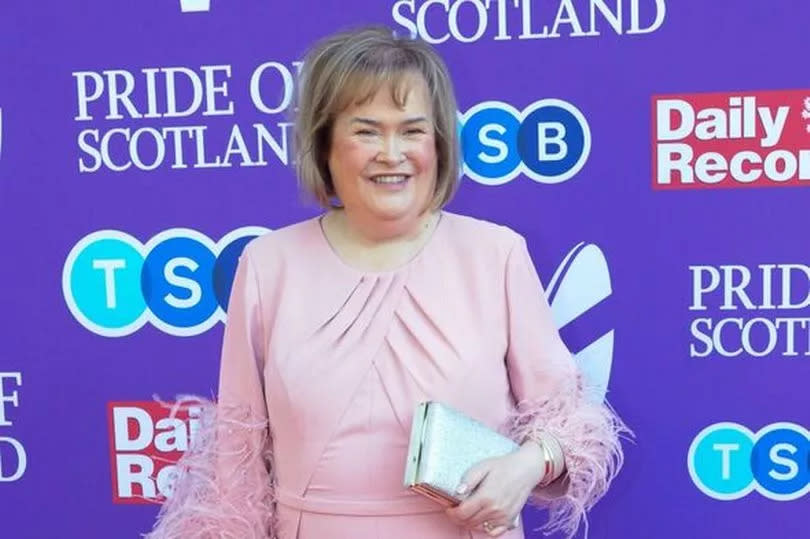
552	398
225	483
221	490
589	435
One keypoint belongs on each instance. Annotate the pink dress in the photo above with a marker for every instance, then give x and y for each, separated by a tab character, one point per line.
323	365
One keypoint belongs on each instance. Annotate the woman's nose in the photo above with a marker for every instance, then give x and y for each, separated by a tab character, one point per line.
391	151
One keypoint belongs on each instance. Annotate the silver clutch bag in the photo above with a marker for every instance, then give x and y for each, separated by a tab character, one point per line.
444	444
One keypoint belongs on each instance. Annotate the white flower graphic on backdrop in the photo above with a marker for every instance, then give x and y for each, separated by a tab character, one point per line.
581	281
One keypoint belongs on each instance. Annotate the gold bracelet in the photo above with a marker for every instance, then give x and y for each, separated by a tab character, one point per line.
550	467
549	459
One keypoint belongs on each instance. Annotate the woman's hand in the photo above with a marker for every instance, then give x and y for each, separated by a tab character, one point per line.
499	489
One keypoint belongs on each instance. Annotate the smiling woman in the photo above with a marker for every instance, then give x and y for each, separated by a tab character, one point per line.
382	163
339	326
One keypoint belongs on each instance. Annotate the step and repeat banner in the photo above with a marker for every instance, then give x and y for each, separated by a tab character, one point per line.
654	153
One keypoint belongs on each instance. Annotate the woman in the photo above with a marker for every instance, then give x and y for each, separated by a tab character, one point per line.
338	326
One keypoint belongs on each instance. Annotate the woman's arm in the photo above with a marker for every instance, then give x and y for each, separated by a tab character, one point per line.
225	487
581	436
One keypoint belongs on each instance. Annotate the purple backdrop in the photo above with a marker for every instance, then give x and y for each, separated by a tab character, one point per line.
676	292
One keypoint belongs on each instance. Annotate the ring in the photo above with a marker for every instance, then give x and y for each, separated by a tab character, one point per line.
487	526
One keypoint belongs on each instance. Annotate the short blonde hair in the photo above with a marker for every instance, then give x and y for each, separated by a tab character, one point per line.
350	67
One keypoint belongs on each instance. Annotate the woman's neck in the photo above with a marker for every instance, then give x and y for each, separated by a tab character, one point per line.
370	232
378	245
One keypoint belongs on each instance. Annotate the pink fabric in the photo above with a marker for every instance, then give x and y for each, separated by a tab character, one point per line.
334	360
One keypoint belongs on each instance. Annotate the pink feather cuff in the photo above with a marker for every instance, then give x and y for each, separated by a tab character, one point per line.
224	488
589	434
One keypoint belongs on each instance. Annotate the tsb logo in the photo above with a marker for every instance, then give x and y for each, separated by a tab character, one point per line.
180	281
548	141
727	461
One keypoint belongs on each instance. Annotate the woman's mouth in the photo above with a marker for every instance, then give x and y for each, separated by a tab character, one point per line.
390	179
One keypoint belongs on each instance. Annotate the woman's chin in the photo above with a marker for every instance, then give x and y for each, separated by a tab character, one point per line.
394	212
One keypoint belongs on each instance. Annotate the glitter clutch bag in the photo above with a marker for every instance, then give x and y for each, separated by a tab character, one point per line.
444	444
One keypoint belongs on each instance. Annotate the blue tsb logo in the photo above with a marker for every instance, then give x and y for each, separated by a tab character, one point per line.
179	281
727	461
549	141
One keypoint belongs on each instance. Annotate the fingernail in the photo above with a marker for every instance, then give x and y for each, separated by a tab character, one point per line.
462	488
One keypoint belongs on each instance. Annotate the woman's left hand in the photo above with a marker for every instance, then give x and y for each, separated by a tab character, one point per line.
500	487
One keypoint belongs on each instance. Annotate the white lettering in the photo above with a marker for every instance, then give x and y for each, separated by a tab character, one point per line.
90	150
773	125
84	97
134	470
613	18
788	165
787	281
212	89
424	19
481	13
736	167
171	93
789	463
502	150
674	158
193	287
122	415
568	15
422	26
22	460
635	24
726	450
731	289
114	96
711	167
551	134
174	435
135	153
402	20
256	88
699	287
665	109
109	266
13	397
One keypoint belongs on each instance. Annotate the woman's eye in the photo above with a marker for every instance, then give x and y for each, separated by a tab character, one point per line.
415	131
365	132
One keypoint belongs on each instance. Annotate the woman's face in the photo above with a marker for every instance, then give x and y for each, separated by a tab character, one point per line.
383	157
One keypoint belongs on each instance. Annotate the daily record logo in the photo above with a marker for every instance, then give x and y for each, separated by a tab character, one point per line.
179	281
580	283
728	461
728	140
548	141
146	440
